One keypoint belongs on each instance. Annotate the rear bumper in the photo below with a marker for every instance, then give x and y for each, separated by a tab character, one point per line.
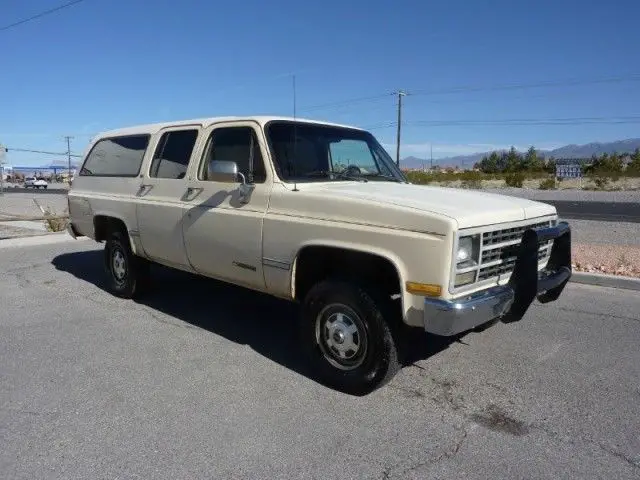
509	302
72	231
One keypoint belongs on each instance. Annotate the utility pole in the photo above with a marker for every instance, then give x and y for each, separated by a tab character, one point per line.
431	147
3	150
400	94
68	138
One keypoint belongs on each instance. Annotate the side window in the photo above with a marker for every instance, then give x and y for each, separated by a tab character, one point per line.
236	144
116	157
353	152
173	153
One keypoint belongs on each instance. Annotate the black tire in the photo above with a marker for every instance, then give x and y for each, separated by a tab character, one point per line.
374	356
119	257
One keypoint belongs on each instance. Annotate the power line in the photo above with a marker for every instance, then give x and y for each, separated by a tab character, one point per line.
632	119
346	102
39	15
42	152
634	77
521	86
535	121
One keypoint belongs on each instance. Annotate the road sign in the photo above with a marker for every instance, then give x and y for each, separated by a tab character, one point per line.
568	171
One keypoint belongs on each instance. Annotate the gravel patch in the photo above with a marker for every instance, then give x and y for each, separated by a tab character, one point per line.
609	259
604	233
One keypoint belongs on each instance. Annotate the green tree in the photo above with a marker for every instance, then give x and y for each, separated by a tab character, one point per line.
634	165
490	164
550	165
606	164
513	161
532	163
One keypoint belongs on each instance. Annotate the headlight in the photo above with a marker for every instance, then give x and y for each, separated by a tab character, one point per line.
468	249
467	257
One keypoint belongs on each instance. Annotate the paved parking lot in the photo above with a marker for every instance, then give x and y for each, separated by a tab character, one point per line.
204	380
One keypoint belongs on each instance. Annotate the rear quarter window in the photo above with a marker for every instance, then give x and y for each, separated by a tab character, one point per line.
116	157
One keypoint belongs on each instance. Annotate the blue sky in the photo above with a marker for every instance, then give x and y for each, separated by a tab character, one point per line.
104	64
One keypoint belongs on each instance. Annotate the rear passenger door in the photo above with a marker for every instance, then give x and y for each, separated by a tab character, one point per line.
161	196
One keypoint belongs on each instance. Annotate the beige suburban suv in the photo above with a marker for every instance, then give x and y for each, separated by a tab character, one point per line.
319	214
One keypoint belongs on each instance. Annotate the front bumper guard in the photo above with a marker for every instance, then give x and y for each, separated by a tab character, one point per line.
508	302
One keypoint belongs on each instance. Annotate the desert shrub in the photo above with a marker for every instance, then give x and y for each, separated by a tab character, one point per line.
515	179
548	184
54	222
601	182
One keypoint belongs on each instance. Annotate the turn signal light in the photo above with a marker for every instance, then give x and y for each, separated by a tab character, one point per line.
425	289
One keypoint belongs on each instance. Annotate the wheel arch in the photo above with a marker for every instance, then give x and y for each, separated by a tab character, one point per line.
323	253
106	222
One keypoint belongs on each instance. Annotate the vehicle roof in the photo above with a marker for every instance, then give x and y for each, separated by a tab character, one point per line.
153	128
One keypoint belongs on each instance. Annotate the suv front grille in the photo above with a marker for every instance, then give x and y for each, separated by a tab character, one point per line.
507	265
498	250
509	234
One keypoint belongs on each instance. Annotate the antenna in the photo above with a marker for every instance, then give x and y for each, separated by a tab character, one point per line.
295	134
294	95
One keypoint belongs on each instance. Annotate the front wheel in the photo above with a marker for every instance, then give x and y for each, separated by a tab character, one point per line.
347	339
127	274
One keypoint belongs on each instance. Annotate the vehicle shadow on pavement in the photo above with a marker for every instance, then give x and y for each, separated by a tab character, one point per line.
267	324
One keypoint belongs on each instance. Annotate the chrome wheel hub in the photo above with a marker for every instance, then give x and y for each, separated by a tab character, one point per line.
341	336
118	265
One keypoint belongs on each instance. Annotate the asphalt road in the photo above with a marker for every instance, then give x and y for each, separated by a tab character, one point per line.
599	211
43	191
575	210
205	380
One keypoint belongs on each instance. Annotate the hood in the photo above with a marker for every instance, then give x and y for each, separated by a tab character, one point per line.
467	207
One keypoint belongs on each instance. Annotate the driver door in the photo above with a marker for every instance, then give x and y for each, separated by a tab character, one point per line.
222	230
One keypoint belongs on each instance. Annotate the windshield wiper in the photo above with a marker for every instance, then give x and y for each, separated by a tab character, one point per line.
383	175
341	175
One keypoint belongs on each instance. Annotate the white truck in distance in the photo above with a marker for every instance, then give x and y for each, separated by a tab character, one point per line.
33	182
319	214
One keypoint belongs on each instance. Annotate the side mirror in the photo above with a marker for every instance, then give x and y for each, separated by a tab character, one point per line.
223	171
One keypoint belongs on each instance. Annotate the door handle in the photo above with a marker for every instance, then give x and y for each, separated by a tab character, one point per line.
144	189
192	192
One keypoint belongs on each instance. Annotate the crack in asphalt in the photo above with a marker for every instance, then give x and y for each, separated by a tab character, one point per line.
159	319
20	273
587	440
599	314
28	412
447	453
633	462
493	417
21	279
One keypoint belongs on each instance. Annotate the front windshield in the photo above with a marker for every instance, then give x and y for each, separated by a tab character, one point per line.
316	152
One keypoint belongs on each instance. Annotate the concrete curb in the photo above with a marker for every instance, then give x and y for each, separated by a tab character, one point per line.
36	240
602	280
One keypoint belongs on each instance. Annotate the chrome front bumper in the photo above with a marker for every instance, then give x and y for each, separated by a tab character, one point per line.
511	301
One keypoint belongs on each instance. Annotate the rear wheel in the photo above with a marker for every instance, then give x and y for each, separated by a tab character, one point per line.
127	275
347	339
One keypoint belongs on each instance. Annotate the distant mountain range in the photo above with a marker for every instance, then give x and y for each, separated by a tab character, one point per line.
568	151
